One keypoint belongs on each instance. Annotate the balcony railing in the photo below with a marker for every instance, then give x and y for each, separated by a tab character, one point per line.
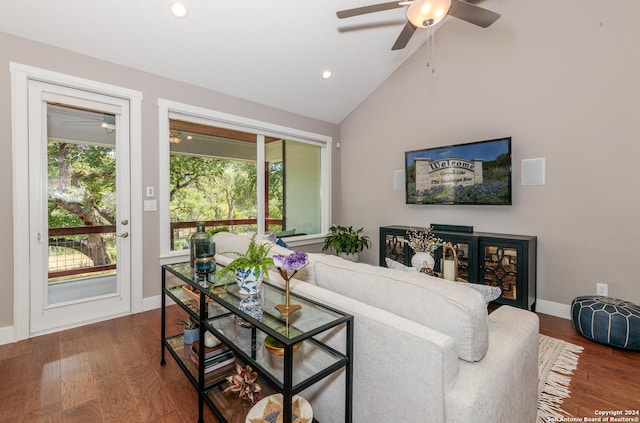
69	250
69	253
181	231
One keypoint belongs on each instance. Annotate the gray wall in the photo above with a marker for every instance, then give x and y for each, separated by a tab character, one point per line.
561	78
13	49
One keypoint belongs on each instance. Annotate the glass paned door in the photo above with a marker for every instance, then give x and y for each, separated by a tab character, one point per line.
79	196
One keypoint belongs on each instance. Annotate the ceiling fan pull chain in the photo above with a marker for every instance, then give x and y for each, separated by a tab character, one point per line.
428	44
431	47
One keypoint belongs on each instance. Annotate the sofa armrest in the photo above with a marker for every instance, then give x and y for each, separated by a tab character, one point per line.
503	386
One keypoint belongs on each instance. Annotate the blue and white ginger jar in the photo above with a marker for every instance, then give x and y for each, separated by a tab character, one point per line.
252	305
248	281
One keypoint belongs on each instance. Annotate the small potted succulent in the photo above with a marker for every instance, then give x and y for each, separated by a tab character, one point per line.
347	242
191	329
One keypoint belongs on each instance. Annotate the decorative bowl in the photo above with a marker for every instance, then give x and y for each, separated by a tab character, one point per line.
276	347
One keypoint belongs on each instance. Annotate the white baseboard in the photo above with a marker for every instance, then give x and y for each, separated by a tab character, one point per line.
554	309
6	335
152	303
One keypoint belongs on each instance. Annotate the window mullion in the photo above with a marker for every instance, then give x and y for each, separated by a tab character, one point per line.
260	191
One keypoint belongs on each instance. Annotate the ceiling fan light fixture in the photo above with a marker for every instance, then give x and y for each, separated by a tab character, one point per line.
425	13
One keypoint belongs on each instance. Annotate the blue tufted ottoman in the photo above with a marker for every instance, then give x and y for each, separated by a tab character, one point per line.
608	321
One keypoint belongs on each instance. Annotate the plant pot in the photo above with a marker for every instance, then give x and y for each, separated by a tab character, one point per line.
354	257
276	350
191	335
276	347
248	281
422	259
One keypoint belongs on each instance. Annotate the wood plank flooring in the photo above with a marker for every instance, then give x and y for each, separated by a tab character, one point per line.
606	379
110	372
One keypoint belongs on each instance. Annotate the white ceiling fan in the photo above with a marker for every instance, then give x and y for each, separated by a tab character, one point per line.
427	13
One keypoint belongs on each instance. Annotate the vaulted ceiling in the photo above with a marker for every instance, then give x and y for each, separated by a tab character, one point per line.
272	52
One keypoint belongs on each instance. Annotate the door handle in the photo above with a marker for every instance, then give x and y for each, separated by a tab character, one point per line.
125	222
123	235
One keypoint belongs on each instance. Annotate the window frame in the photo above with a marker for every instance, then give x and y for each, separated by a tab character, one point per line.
168	109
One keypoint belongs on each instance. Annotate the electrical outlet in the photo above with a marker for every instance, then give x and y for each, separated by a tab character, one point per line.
602	289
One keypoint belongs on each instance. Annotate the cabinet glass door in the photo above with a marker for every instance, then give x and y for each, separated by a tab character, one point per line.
394	248
499	267
462	260
466	247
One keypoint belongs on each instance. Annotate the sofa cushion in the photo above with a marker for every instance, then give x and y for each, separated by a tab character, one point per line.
453	310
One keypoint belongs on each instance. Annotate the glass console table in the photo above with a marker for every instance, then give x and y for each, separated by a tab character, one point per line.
242	323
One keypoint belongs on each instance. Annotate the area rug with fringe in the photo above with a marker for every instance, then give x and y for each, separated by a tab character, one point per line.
557	360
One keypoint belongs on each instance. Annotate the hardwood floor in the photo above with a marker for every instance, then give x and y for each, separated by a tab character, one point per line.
607	379
104	372
110	372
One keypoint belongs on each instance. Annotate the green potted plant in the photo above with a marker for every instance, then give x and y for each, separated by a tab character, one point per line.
347	242
191	329
249	267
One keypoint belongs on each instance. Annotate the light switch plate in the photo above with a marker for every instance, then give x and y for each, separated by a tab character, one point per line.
150	205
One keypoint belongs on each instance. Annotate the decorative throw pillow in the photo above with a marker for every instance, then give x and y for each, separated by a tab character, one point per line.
489	293
392	264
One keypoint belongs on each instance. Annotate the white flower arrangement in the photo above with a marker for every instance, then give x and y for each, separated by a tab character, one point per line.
423	240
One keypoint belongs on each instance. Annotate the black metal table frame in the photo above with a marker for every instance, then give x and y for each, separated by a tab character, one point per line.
286	387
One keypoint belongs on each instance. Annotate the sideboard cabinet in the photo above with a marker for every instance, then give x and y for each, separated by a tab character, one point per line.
506	261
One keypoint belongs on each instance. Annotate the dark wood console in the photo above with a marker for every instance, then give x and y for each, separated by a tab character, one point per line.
506	261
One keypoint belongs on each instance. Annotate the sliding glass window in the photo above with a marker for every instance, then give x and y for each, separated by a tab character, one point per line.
243	181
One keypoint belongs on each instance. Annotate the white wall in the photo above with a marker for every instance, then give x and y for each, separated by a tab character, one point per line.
561	78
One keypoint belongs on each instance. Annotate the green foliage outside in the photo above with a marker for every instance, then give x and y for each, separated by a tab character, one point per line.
81	186
81	192
203	188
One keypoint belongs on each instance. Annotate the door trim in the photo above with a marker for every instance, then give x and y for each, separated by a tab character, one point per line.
20	76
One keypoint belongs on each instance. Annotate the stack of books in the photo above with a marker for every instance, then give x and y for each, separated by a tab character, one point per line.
215	358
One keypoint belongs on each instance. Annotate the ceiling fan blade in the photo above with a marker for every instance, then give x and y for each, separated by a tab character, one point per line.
404	36
368	9
472	13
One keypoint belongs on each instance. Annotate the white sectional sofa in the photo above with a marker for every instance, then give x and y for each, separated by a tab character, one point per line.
425	349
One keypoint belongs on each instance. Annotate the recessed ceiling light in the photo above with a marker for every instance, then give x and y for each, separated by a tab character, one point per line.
179	10
326	74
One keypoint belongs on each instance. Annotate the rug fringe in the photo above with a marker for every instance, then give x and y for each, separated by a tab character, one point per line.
555	389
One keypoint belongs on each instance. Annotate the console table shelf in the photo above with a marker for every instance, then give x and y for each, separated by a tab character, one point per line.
244	333
506	261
